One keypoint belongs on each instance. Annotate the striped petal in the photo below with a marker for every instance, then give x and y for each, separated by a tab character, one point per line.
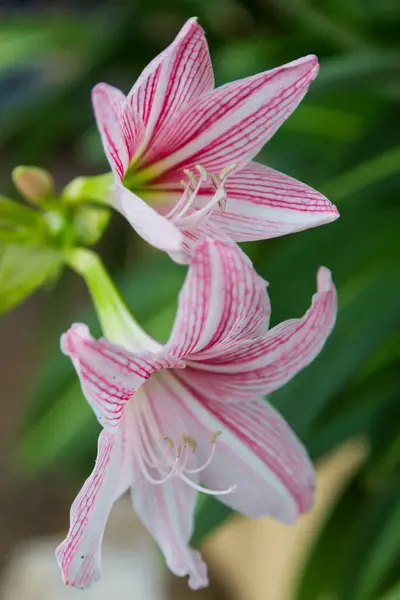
108	373
257	452
150	225
182	72
167	510
264	364
222	300
263	203
232	123
79	556
120	130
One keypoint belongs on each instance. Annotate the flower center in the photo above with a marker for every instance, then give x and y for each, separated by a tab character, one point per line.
185	214
160	459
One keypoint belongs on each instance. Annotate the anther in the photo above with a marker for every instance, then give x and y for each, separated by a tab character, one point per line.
226	170
191	176
215	181
189	441
215	436
203	172
170	443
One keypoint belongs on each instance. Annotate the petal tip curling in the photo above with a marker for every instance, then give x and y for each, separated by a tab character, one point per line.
70	337
324	280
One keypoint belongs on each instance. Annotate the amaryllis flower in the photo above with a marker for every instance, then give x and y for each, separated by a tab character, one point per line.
189	417
174	129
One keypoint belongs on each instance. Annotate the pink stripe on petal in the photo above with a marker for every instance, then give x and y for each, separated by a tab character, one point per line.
263	203
179	74
109	374
223	299
262	430
167	510
257	453
266	363
232	123
120	133
164	510
79	555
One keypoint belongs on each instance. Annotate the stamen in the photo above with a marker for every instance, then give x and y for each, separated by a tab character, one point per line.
189	441
179	213
215	436
191	176
226	170
203	172
170	443
200	488
168	461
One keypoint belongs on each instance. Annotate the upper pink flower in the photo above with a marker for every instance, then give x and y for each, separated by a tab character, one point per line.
190	417
175	126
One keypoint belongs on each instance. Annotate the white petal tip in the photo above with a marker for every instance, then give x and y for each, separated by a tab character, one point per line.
77	330
324	280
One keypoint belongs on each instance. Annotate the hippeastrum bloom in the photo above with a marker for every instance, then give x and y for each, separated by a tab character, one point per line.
174	129
189	417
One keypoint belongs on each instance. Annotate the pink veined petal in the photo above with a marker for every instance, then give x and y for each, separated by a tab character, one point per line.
108	373
79	556
263	203
206	231
120	131
151	226
179	74
232	123
167	510
264	364
222	300
257	452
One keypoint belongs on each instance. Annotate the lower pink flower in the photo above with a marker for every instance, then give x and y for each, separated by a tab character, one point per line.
189	417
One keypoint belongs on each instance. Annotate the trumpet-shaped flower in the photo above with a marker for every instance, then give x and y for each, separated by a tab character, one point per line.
189	417
174	129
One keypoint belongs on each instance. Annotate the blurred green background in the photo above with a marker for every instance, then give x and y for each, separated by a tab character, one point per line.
343	140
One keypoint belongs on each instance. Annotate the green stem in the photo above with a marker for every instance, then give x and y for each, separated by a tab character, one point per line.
116	321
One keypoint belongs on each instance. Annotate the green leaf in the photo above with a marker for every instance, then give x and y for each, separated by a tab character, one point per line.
14	214
23	269
359	404
360	177
323	571
357	71
382	556
392	594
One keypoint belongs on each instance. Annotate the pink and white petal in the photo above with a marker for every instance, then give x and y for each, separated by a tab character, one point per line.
120	132
151	226
222	300
206	231
167	510
264	364
179	74
231	124
263	203
109	374
79	556
257	452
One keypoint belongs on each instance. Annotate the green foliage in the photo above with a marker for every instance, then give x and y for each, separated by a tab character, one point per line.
343	139
23	269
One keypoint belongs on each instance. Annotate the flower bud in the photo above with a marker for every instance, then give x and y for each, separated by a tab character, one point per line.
33	183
